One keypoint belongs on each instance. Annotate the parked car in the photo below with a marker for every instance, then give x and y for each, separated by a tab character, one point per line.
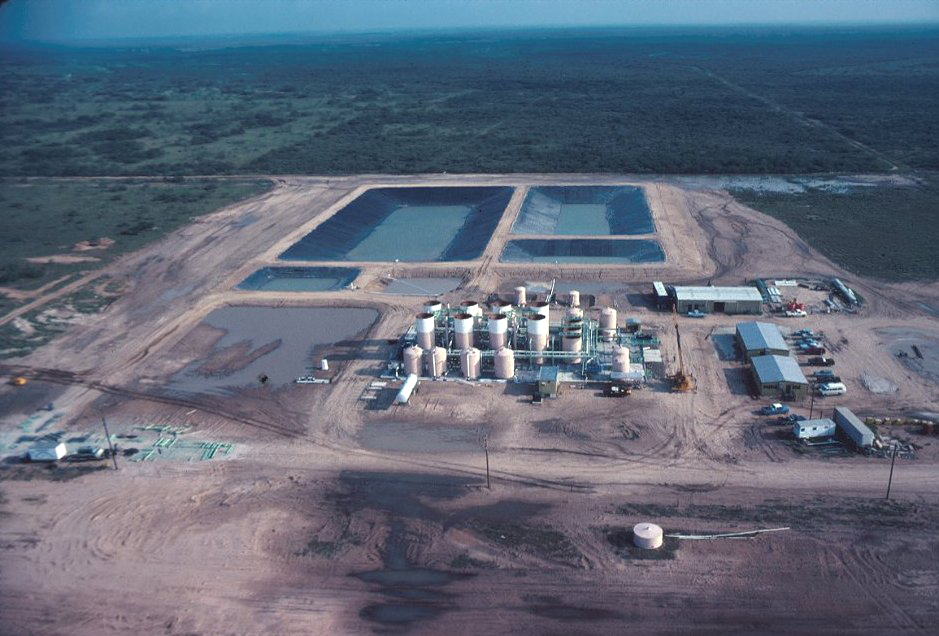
803	333
832	388
796	313
774	409
823	375
87	454
820	361
696	313
792	418
814	351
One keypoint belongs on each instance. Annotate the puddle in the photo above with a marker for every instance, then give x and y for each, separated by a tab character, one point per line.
299	279
421	286
277	342
410	437
584	210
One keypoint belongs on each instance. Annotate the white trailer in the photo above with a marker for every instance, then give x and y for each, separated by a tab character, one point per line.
809	429
47	452
406	389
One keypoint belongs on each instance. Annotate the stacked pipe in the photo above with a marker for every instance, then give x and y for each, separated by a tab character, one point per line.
571	339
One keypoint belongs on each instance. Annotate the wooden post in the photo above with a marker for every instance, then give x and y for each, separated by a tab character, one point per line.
110	446
486	448
892	462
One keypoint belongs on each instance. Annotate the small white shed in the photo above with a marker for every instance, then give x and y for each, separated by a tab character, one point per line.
807	429
47	452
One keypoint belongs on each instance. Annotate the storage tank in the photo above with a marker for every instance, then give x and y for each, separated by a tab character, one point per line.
608	324
412	360
575	298
621	360
520	299
542	308
470	363
572	343
498	326
505	364
463	331
404	395
538	330
432	307
501	307
648	535
435	360
573	321
424	325
471	307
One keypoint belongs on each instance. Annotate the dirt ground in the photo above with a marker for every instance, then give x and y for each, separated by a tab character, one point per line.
323	513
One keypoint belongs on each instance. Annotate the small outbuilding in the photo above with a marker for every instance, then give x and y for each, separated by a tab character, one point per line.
779	376
47	452
853	428
760	339
810	429
548	384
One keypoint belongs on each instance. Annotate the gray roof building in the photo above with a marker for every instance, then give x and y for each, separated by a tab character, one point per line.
779	376
761	338
856	430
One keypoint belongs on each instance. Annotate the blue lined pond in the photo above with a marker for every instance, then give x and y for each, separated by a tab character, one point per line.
584	210
573	251
299	279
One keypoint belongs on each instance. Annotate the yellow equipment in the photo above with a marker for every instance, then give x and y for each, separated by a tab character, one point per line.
18	381
681	381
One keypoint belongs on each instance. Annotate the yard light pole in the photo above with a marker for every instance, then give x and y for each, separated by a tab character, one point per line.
892	462
486	448
812	404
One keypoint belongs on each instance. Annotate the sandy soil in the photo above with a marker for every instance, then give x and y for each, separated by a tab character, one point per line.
316	525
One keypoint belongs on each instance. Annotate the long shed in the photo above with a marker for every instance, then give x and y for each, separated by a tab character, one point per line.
729	300
853	428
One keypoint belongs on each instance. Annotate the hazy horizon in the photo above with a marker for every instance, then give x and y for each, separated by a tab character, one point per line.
85	20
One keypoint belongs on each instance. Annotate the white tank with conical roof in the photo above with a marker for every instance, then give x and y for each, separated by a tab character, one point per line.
648	536
470	363
412	360
505	363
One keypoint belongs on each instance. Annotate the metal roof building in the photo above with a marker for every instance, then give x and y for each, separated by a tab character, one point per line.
760	339
730	300
779	376
856	430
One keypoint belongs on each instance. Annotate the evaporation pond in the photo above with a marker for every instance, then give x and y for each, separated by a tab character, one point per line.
299	279
407	224
585	251
279	342
421	286
584	210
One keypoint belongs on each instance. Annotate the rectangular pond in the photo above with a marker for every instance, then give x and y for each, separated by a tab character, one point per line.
278	342
584	210
572	251
299	279
407	224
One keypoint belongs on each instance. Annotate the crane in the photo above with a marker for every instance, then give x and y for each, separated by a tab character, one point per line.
681	381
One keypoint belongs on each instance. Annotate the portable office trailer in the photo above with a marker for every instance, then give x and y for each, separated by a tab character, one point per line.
808	429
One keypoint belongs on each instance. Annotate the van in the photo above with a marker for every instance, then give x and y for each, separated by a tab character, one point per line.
832	388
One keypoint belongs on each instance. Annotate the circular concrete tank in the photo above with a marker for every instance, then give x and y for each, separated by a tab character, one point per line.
470	363
424	325
538	329
498	326
648	536
608	324
435	360
542	308
472	308
501	307
575	298
412	360
432	307
572	343
520	299
620	360
463	331
505	364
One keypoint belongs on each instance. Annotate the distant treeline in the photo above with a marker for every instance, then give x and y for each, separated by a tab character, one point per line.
643	101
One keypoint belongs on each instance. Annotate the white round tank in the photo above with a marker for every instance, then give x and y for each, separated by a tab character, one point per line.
542	308
505	363
501	307
424	325
432	307
498	326
575	298
572	343
574	313
648	536
520	299
608	324
620	360
470	363
463	331
538	324
472	308
412	360
436	361
324	364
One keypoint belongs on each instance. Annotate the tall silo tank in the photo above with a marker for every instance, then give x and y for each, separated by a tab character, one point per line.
470	363
621	360
505	363
472	308
432	307
572	343
538	330
424	325
608	324
520	296
498	326
412	360
648	536
501	307
542	308
435	361
463	331
574	298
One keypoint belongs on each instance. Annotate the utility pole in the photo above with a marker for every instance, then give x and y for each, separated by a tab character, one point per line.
892	462
110	446
812	405
486	448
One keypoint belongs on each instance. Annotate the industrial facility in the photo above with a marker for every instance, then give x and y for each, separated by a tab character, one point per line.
518	340
779	376
729	300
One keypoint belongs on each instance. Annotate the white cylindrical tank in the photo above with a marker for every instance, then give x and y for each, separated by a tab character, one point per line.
406	389
621	360
412	360
324	364
538	329
542	308
648	536
520	299
472	308
424	325
436	361
575	298
470	363
608	324
501	307
498	326
463	331
505	363
432	307
572	343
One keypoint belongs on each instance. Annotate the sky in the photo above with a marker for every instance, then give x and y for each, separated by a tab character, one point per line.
63	20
